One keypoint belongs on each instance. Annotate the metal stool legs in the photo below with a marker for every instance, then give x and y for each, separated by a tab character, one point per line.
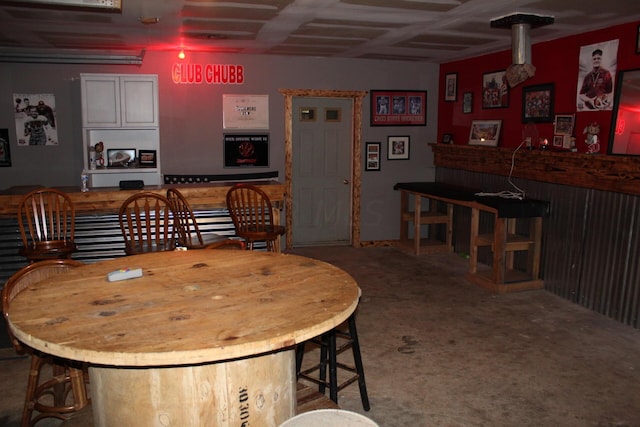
329	351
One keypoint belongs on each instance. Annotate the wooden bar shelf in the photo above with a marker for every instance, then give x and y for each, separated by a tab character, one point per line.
620	174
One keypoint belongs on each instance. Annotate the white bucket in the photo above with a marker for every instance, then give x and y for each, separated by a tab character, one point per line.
329	418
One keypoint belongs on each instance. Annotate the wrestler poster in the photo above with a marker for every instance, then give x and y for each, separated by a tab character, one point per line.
35	117
596	76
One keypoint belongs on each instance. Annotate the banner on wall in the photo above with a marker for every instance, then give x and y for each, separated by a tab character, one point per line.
596	76
246	150
35	118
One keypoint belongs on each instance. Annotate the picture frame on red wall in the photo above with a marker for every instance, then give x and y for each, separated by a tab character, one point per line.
495	90
638	41
537	103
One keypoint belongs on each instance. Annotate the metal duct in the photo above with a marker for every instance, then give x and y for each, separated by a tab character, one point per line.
521	43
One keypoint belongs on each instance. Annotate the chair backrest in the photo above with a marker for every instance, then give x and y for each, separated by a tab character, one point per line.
46	215
147	222
188	230
27	276
250	209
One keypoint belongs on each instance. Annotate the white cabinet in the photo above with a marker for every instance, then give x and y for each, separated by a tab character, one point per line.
117	101
121	111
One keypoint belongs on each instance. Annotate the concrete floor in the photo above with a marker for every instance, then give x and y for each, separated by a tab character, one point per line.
439	351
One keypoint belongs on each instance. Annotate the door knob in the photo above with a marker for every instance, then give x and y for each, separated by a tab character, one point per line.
345	182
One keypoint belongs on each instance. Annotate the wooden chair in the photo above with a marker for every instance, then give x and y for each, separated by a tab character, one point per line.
189	233
46	218
252	215
65	392
148	224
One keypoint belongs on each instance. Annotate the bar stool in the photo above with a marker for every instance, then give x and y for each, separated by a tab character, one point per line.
46	218
63	393
329	351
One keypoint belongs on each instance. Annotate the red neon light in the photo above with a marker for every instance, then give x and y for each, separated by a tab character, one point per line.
620	126
207	73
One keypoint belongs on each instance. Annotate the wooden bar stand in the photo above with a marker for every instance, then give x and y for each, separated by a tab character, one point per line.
504	242
431	218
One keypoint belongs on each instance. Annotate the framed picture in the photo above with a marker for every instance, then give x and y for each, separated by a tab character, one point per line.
398	108
495	90
372	162
485	132
121	157
451	87
447	138
563	124
467	102
333	115
638	41
245	111
537	103
398	148
557	141
5	153
246	150
147	159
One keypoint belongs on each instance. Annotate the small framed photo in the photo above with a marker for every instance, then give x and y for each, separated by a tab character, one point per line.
121	157
333	115
485	132
451	87
563	124
495	90
638	41
537	103
467	102
5	153
372	162
557	140
447	138
398	148
147	159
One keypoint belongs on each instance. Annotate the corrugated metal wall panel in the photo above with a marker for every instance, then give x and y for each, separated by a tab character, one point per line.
98	238
591	242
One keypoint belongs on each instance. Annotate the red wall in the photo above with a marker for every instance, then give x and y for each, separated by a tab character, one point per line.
557	62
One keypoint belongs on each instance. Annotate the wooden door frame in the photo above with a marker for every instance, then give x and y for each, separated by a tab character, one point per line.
356	129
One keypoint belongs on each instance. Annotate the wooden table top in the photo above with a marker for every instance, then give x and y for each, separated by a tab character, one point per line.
189	307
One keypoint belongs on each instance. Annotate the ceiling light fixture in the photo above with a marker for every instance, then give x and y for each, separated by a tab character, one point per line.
521	25
181	55
71	58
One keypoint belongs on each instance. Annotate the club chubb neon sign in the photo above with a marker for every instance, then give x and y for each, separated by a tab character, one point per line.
213	74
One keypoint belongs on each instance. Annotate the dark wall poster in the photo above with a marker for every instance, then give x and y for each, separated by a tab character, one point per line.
246	150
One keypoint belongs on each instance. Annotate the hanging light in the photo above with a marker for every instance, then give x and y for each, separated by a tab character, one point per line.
181	54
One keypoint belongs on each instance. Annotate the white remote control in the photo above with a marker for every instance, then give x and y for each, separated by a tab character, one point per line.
124	274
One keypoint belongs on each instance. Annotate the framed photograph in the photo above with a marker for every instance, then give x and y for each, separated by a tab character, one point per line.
333	115
638	41
5	153
245	111
246	150
372	162
537	103
557	141
563	124
447	138
398	148
467	102
451	87
120	157
147	159
485	132
495	90
398	108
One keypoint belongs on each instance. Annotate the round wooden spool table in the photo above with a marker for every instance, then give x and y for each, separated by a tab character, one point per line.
204	337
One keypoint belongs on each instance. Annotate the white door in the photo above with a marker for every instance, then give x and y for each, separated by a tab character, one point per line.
322	147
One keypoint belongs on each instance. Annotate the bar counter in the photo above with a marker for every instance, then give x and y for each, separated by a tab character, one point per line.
108	199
